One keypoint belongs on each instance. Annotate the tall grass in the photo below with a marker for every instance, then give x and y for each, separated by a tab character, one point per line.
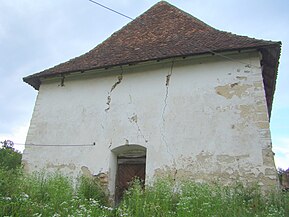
54	195
90	188
42	194
191	199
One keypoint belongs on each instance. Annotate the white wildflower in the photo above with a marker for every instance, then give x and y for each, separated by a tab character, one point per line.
25	195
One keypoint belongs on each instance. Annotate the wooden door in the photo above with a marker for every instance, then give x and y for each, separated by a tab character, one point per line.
126	172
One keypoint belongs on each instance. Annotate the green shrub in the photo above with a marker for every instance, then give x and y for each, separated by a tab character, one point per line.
9	157
9	182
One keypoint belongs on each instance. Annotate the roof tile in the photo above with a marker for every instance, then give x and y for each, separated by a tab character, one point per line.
163	31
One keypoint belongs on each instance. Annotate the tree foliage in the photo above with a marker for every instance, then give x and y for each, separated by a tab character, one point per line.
284	178
10	158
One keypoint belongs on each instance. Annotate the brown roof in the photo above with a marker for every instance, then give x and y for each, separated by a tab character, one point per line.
163	31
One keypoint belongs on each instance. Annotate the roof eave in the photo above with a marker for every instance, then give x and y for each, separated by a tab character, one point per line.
35	79
270	63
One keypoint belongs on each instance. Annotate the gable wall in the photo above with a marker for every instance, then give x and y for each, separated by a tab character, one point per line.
202	118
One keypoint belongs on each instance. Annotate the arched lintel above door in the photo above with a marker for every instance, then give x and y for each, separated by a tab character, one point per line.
130	151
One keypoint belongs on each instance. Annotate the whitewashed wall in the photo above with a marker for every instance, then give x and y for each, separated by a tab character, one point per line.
202	118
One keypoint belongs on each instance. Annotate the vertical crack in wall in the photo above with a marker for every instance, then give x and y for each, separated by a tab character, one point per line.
119	79
142	135
168	78
133	119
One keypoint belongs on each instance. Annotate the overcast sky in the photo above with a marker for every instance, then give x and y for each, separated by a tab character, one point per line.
36	35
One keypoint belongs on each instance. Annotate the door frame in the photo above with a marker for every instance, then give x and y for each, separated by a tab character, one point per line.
123	162
123	152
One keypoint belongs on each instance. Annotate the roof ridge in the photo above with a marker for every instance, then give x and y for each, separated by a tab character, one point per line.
158	4
186	13
162	31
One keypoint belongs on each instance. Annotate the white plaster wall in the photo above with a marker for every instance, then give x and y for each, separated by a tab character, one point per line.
202	118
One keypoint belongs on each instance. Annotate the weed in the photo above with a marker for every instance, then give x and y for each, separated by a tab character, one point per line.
44	195
90	188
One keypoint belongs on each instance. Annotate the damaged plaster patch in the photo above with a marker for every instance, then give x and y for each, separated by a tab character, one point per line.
230	159
235	89
85	171
103	178
119	79
134	119
247	111
225	169
268	157
254	112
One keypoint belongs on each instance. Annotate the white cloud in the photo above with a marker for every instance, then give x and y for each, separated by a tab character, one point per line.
281	149
18	136
282	162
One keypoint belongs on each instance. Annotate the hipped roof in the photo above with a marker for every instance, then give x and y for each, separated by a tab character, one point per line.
162	32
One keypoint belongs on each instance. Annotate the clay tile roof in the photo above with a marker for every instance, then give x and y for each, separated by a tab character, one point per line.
163	31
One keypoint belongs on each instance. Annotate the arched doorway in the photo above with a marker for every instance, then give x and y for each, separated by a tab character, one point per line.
131	164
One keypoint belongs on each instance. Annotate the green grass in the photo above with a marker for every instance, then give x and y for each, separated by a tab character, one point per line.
54	195
49	195
191	199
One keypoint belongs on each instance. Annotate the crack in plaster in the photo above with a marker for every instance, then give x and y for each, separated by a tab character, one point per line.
108	102
138	128
133	119
130	99
168	78
119	79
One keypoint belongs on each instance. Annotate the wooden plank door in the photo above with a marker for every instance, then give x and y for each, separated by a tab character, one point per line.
127	172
